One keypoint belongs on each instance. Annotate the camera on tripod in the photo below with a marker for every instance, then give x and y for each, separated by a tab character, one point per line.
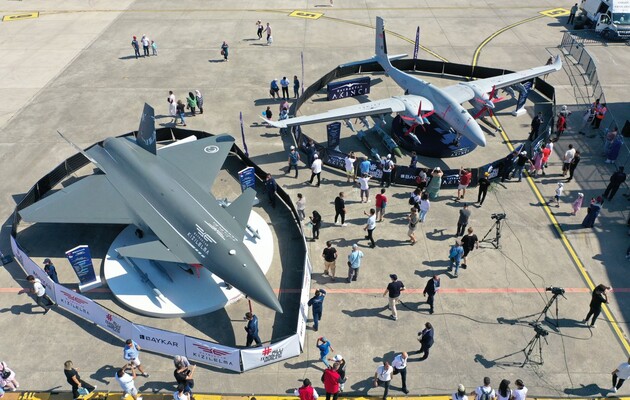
555	290
498	216
540	331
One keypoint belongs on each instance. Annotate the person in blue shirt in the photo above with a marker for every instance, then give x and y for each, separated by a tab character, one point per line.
50	270
324	347
131	354
317	302
271	187
455	255
364	166
252	330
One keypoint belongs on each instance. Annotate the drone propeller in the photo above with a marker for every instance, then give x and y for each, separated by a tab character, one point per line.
488	104
418	120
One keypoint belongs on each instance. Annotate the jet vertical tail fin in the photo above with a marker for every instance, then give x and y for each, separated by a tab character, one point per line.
146	137
380	48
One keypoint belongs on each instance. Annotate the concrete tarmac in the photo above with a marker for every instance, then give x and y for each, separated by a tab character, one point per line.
72	69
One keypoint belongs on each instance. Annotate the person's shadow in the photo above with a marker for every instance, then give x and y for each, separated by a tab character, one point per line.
106	371
18	309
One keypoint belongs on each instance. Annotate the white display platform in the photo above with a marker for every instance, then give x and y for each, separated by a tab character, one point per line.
184	294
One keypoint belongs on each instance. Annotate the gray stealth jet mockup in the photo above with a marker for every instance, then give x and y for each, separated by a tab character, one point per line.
167	193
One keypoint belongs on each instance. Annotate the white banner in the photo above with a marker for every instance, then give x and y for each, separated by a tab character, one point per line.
259	356
303	310
159	341
213	354
76	303
112	323
33	269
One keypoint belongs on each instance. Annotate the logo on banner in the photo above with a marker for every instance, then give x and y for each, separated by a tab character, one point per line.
111	324
269	354
158	340
211	354
351	88
74	302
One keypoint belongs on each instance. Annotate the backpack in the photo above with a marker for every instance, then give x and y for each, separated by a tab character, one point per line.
412	200
485	395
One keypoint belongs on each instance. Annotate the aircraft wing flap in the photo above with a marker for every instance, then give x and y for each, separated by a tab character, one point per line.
201	159
91	200
378	107
153	250
241	208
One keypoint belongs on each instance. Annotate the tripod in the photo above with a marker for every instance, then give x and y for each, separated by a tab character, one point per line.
497	235
530	348
543	313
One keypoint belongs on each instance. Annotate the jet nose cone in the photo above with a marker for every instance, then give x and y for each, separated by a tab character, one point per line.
476	135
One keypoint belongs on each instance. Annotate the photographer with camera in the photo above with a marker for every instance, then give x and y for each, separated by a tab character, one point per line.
598	297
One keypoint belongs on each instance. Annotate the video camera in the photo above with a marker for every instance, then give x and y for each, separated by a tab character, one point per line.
540	331
498	216
555	290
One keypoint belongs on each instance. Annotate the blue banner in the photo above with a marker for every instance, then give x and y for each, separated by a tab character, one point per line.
81	261
523	92
417	44
351	88
334	135
247	177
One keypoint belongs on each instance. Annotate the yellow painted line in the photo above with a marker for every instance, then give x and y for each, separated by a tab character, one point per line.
555	12
19	17
565	241
306	14
497	33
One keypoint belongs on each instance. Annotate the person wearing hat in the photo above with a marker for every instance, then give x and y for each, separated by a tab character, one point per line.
484	184
354	263
556	197
316	169
394	288
294	159
306	391
400	367
136	47
50	270
431	289
317	302
325	347
338	359
387	166
577	204
461	393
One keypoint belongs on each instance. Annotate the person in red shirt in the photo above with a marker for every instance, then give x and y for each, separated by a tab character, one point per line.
561	125
330	379
381	203
306	391
465	177
546	152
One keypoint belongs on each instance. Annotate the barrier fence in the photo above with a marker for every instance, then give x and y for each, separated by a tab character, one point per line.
154	339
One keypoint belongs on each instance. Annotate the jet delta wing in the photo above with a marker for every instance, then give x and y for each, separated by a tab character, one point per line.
166	194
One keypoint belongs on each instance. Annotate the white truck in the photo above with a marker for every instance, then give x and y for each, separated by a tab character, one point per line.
610	18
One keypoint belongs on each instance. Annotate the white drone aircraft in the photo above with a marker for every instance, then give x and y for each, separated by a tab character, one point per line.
423	98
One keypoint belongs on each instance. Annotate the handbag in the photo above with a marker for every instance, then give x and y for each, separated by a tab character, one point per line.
6	374
222	52
83	391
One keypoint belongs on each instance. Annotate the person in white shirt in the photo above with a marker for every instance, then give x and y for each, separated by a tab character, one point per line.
41	298
620	375
126	382
370	226
365	188
145	45
461	393
300	206
484	392
520	393
284	84
316	170
349	164
566	161
400	367
383	376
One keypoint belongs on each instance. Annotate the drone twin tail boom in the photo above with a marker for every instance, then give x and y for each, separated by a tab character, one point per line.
166	193
423	98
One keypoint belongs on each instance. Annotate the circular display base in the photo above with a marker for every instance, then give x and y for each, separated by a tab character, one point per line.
174	290
436	139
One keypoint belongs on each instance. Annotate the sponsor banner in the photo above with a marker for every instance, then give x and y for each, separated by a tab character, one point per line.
76	303
450	179
416	44
159	341
213	354
523	91
32	268
112	323
349	88
334	159
247	177
260	356
81	261
333	132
